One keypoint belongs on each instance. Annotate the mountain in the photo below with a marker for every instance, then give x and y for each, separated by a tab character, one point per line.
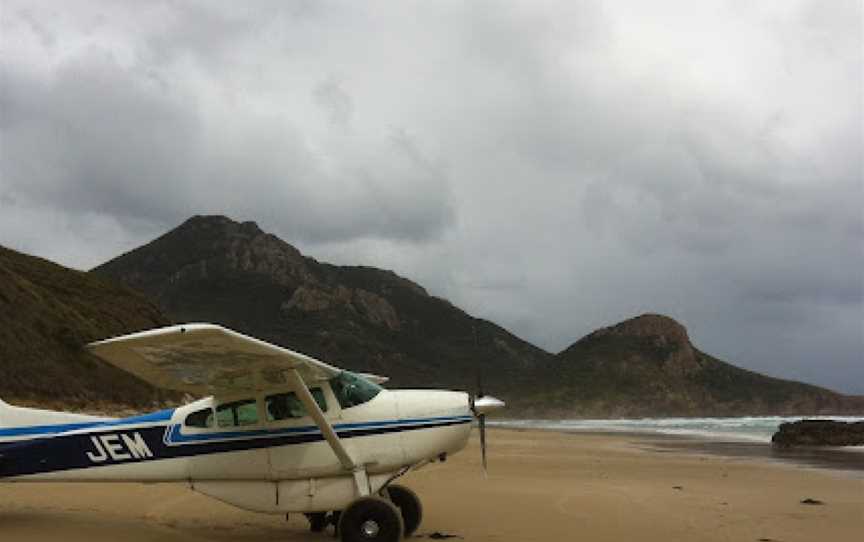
214	269
211	268
47	312
647	366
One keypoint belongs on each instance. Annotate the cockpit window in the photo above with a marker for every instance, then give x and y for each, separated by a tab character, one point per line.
286	405
200	418
237	413
352	390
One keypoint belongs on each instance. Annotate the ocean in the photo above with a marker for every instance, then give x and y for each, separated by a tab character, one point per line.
744	429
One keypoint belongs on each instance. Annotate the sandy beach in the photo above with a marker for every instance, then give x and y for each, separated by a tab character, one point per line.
542	486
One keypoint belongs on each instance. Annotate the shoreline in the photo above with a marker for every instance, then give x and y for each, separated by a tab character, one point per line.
847	462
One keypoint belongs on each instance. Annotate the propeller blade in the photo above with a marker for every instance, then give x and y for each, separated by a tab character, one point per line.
482	420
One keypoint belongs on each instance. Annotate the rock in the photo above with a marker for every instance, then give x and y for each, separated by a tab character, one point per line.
813	502
819	433
376	309
308	299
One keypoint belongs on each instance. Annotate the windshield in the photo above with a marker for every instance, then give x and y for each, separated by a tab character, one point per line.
352	390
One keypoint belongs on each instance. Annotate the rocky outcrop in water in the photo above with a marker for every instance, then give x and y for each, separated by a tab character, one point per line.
819	433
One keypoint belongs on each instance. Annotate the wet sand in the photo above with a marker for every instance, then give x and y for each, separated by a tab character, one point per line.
542	486
847	461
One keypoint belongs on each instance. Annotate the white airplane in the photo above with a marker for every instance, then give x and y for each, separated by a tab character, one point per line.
280	433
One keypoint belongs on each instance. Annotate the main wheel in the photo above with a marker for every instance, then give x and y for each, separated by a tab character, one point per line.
409	506
371	519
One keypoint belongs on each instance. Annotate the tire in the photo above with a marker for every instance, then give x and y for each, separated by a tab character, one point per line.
371	519
408	503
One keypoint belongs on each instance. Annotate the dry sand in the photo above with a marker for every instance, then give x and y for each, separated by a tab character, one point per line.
541	487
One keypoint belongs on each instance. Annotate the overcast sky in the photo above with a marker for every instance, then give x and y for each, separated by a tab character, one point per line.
552	166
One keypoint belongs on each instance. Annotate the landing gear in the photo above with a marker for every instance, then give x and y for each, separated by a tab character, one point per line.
409	506
394	513
371	519
317	521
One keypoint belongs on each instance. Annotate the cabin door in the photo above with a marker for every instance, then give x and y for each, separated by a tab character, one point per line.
226	448
299	450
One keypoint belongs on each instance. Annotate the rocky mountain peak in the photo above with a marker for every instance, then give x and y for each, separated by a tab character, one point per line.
655	326
218	225
648	340
647	366
204	246
212	268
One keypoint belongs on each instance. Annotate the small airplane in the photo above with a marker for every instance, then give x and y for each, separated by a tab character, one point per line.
280	432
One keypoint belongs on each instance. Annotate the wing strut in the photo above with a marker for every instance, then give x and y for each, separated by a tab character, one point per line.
361	480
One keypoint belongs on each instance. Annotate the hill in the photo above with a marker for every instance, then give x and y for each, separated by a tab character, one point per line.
647	366
214	269
47	312
211	268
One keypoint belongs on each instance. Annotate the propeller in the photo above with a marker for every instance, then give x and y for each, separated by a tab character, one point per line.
480	405
482	422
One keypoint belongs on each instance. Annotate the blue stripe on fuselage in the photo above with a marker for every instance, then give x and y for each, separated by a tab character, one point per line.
175	436
40	430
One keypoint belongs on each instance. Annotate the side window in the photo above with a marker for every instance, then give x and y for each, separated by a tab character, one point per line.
200	418
237	413
283	406
247	413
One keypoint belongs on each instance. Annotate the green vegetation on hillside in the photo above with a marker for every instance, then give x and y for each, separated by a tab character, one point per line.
47	312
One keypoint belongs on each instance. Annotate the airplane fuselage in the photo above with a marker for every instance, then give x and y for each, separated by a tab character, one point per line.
238	450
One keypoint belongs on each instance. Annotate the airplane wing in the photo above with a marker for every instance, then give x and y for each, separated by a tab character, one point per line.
203	359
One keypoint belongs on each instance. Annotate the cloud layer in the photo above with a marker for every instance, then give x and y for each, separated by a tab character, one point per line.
554	166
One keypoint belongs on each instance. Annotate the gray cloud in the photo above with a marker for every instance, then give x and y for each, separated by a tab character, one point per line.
334	101
555	166
131	133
